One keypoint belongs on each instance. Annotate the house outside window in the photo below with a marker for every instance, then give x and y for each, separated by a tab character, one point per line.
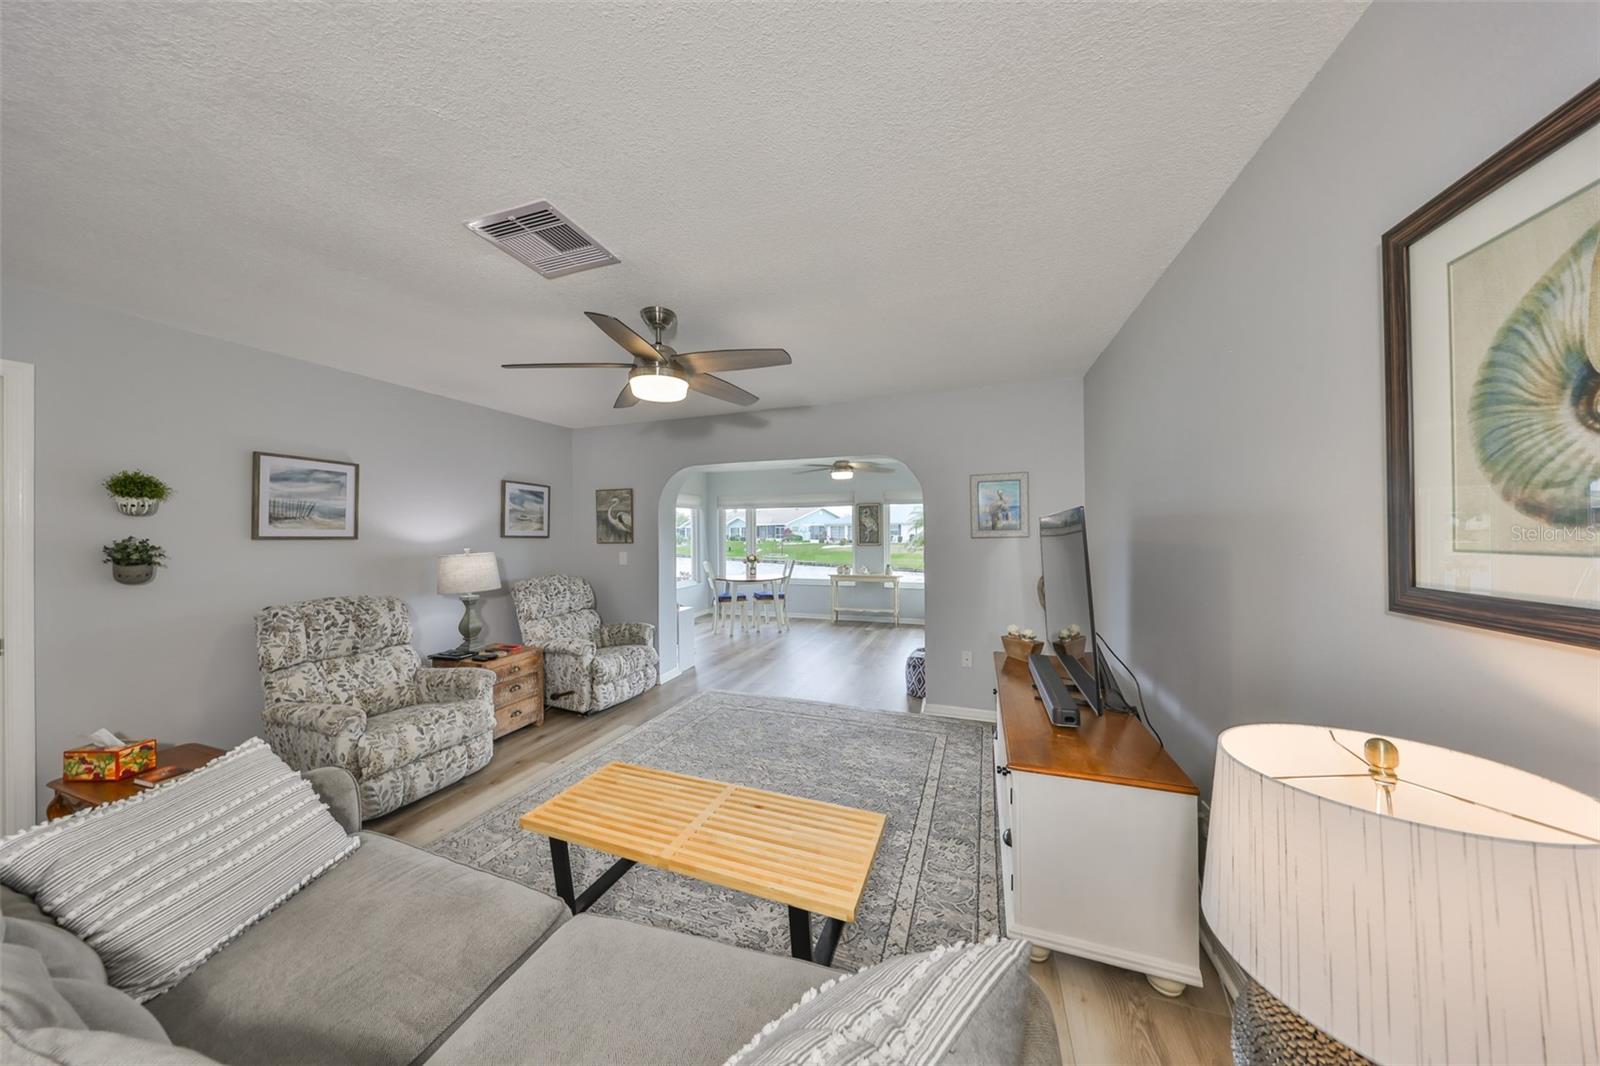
905	536
686	534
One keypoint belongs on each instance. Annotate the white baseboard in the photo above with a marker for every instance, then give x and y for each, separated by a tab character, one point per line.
668	675
844	615
950	710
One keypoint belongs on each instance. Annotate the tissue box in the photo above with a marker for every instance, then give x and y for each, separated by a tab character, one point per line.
108	764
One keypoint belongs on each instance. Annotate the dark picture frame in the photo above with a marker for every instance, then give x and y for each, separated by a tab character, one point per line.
869	525
1565	623
506	487
613	516
299	527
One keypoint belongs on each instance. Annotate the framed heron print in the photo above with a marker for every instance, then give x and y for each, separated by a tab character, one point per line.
1492	353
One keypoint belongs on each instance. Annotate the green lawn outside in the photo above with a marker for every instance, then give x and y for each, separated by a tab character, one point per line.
901	556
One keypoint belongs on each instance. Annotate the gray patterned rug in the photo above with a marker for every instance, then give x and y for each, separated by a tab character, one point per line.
936	877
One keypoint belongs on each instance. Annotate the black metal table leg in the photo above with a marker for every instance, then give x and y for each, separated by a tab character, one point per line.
827	941
800	933
561	862
561	865
800	945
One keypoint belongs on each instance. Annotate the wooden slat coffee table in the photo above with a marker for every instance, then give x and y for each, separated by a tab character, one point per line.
809	855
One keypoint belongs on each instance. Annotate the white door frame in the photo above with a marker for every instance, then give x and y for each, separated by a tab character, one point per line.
19	795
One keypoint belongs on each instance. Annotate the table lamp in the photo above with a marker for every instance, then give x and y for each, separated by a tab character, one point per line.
466	575
1411	903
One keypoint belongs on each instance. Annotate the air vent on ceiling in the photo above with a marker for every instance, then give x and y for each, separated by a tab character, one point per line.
543	238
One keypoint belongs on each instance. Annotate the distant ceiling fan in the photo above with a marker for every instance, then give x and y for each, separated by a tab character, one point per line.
845	469
660	375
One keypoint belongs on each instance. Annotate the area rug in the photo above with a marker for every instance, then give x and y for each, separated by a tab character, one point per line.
936	876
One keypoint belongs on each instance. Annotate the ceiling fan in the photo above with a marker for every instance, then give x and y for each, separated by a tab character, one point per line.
660	375
845	469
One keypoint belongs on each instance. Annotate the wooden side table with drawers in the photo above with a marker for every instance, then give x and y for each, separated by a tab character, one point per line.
518	688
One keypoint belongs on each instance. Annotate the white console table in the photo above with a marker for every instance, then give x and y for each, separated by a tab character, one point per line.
891	580
1099	834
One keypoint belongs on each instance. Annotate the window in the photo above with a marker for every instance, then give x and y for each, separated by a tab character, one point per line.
687	536
905	534
819	537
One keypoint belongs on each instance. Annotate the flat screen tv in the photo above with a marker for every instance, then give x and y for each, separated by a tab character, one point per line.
1068	602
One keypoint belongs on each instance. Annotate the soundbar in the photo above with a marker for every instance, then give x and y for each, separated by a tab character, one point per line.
1059	699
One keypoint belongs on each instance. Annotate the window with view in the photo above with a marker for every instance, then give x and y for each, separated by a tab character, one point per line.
905	541
687	534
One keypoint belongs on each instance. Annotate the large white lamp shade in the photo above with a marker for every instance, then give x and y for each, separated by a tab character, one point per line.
1463	927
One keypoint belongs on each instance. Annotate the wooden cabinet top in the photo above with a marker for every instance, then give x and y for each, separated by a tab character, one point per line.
1114	747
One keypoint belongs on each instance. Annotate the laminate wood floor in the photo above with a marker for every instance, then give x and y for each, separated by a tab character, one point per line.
1102	1014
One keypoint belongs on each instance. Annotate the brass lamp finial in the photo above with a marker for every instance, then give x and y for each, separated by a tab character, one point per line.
1382	760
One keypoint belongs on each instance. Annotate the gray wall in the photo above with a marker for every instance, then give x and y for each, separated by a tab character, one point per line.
176	658
975	586
1234	425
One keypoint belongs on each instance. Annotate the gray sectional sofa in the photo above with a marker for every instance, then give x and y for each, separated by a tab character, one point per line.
398	956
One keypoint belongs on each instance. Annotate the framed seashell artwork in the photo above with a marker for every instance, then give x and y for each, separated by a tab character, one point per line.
1492	375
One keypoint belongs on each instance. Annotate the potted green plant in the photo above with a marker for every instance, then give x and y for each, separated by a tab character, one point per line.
136	492
134	561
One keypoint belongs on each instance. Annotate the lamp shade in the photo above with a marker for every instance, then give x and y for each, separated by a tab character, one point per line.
468	572
1462	927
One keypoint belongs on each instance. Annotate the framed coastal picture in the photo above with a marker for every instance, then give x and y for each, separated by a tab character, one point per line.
869	524
295	497
1492	351
524	509
613	516
1000	505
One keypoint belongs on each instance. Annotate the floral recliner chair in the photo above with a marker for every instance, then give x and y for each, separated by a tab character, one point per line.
344	687
587	666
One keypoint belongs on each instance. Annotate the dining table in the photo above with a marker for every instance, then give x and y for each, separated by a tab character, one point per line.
740	582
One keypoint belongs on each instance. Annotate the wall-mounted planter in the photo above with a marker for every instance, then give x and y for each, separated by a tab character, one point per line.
133	505
136	493
133	575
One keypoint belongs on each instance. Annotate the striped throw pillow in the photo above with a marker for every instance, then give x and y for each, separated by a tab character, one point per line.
963	1001
157	882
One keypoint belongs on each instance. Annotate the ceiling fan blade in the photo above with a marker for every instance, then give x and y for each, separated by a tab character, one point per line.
614	328
811	468
626	398
871	468
720	362
535	366
718	389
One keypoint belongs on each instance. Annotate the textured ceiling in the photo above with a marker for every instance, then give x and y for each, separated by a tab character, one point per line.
906	196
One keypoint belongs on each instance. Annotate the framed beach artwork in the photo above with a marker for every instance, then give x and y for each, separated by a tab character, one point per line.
1000	505
869	524
613	516
524	509
1492	349
294	497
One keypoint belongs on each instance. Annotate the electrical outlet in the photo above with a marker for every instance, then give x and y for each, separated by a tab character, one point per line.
966	658
622	558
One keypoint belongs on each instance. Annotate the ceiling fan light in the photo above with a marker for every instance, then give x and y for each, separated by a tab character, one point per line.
658	384
841	472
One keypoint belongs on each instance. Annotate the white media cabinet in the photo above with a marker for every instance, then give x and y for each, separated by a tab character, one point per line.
1099	837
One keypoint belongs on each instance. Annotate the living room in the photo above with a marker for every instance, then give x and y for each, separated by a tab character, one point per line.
921	315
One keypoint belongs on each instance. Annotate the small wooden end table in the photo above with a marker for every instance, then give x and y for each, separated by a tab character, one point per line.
518	687
73	796
810	855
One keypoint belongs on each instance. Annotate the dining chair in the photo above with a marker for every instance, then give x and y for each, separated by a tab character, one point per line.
776	597
722	603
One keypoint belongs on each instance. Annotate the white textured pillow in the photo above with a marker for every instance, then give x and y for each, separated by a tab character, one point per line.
965	1001
157	882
